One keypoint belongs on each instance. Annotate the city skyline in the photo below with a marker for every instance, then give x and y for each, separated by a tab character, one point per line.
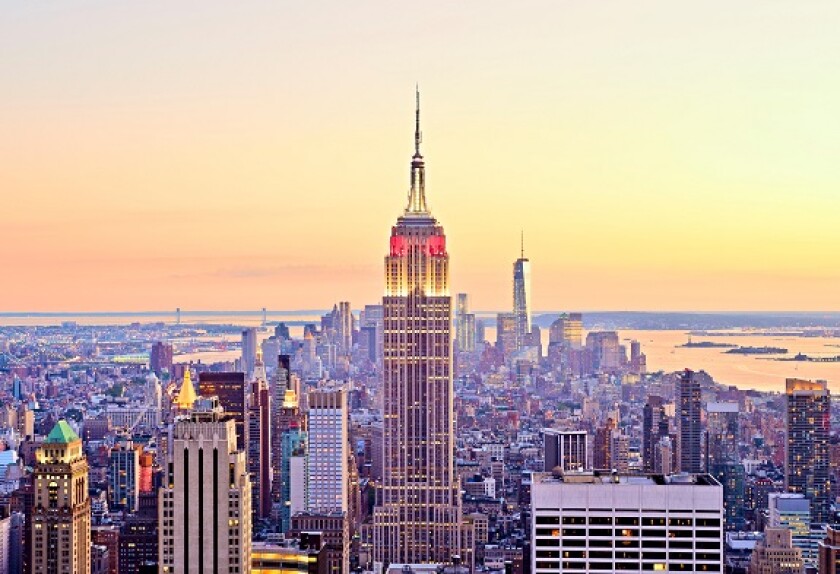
671	166
666	163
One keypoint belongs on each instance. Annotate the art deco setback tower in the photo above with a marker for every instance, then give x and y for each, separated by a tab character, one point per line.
418	517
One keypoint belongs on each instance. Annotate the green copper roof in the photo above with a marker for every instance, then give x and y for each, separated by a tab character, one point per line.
61	433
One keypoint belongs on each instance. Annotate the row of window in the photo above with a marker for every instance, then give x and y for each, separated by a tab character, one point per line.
615	566
629	520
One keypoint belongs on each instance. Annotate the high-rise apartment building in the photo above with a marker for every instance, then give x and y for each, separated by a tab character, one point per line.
584	522
566	449
124	476
205	502
231	391
808	426
160	358
327	451
690	427
522	298
60	517
418	518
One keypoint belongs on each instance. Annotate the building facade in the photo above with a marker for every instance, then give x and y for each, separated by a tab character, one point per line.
124	476
60	528
522	298
205	503
690	429
808	426
327	451
418	516
566	449
587	522
231	391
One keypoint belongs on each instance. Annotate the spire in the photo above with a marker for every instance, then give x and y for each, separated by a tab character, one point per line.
418	137
417	195
522	244
186	395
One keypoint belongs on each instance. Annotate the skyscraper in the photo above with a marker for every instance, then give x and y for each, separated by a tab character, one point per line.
249	350
124	476
292	483
522	297
654	428
327	475
464	325
418	518
61	513
205	510
231	392
327	452
344	328
808	428
690	428
259	444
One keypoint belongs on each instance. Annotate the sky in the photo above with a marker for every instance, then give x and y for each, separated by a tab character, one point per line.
237	155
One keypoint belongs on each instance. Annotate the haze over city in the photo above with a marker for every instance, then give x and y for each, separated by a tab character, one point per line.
484	287
209	155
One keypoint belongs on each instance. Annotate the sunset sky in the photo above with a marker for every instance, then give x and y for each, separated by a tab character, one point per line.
234	155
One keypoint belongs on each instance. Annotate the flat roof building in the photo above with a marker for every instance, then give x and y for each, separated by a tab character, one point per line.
606	522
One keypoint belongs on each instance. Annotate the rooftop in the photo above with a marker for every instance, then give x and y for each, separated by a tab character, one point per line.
596	477
62	433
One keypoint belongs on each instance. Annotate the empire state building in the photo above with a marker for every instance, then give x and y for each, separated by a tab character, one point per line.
418	516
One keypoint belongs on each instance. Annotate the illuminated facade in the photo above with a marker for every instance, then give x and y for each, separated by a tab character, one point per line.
61	512
418	517
808	428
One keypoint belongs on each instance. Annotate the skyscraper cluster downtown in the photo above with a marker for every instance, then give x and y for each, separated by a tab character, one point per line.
398	439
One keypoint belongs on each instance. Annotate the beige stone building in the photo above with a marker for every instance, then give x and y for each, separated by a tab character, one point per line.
61	510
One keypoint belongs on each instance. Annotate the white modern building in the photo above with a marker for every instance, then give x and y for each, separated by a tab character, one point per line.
586	522
327	452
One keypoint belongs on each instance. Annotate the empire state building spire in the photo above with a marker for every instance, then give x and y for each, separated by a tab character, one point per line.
417	195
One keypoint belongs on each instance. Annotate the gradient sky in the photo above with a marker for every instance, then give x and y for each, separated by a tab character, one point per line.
234	155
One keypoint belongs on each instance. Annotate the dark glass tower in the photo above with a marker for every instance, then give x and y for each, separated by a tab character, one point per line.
808	427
